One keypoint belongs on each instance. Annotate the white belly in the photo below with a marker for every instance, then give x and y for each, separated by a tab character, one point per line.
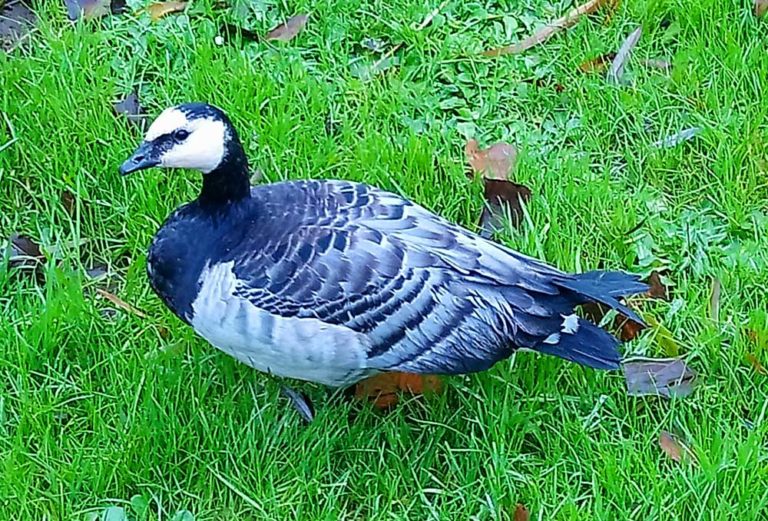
302	348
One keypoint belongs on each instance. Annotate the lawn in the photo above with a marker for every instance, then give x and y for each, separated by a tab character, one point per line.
99	405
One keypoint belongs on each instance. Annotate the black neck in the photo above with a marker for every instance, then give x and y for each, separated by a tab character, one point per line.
229	182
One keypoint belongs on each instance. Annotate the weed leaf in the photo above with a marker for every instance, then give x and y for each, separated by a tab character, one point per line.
714	300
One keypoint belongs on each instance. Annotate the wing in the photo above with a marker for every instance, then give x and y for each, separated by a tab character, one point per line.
429	295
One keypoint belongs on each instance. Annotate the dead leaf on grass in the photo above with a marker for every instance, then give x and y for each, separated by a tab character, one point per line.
90	9
671	447
120	303
160	9
616	72
384	388
667	377
549	30
761	7
598	63
25	254
288	31
16	21
495	164
131	108
657	288
521	513
756	365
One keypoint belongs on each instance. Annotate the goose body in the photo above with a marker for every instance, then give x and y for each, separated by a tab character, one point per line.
333	281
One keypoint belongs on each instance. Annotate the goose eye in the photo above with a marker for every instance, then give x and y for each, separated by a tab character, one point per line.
180	135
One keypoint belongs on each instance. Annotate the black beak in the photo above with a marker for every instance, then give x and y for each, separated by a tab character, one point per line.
143	158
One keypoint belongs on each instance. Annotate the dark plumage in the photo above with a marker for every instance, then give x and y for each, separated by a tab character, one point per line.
331	281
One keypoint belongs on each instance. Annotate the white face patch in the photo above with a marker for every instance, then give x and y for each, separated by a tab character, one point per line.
202	150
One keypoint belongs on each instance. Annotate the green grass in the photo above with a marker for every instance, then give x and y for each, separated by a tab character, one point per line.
96	408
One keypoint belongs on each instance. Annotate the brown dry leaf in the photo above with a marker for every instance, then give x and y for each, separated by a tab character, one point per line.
598	63
671	447
384	388
625	328
761	7
161	9
495	162
228	31
667	377
288	31
521	513
120	303
657	288
549	30
16	21
616	71
756	365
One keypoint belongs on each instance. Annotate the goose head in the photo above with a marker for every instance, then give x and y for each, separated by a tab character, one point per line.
196	136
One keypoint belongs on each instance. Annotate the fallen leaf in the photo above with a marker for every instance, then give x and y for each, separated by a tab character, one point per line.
120	303
26	254
288	31
16	21
161	9
495	162
714	300
229	30
549	30
657	288
616	72
761	7
521	513
384	388
667	377
625	328
598	63
300	402
90	9
671	447
500	195
131	108
676	139
756	365
183	515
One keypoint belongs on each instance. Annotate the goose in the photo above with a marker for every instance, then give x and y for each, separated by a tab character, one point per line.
334	281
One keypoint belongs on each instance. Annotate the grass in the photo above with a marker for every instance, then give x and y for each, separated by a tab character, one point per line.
97	407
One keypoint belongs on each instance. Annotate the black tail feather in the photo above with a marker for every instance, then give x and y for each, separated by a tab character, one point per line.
604	287
589	345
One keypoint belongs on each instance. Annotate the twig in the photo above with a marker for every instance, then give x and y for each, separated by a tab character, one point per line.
549	30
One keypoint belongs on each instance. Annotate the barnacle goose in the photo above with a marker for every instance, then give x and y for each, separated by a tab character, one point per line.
333	281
